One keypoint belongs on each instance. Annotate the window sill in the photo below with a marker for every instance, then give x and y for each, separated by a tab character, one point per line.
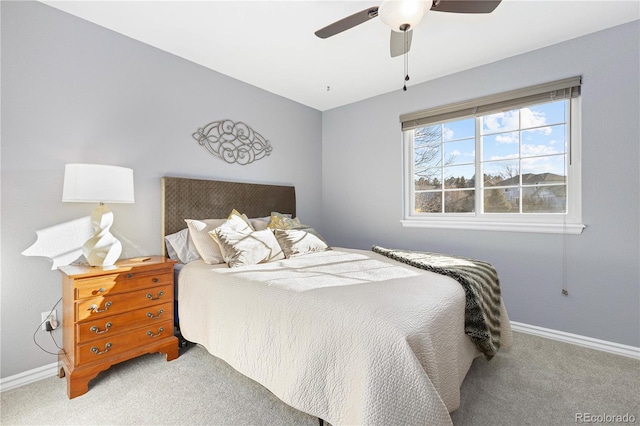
532	227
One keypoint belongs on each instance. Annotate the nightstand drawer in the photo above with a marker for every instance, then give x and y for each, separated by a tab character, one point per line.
101	307
105	327
107	347
119	283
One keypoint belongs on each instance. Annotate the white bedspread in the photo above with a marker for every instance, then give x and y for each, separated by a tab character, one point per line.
346	335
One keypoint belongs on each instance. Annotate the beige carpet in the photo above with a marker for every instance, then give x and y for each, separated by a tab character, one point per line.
537	382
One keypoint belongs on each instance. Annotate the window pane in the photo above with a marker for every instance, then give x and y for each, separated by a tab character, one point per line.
501	200
544	141
459	176
544	199
428	179
425	159
501	173
424	184
428	202
427	136
421	184
544	114
460	152
501	122
459	201
501	146
427	153
460	129
537	170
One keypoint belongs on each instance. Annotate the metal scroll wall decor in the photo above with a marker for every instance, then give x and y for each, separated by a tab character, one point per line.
233	142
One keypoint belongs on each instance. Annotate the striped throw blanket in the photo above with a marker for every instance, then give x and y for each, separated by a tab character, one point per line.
481	287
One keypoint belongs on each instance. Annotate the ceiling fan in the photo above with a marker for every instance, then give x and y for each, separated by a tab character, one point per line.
403	15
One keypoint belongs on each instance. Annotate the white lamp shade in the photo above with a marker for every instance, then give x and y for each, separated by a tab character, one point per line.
396	13
97	183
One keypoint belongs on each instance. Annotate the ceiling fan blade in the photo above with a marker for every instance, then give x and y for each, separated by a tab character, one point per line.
398	45
348	22
465	6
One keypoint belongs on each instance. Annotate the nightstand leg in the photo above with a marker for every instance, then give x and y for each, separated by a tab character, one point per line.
77	380
77	386
171	349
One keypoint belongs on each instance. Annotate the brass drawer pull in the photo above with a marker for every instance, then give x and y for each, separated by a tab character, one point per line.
150	297
150	333
97	351
94	308
160	312
96	330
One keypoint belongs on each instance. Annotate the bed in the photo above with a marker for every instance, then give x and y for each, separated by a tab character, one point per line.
349	336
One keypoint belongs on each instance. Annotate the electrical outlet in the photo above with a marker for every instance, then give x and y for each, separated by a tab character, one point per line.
48	316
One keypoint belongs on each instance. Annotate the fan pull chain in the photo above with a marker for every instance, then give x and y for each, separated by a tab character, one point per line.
405	28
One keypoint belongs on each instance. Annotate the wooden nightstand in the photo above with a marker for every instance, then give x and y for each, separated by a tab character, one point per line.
112	314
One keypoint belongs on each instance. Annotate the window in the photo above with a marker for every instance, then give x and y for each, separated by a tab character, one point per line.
525	146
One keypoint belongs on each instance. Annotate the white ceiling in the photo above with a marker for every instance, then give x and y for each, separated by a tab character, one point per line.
271	44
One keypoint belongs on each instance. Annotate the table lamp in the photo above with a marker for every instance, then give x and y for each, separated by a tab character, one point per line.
96	183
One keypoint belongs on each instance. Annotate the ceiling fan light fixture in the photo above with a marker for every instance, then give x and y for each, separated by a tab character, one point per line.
397	14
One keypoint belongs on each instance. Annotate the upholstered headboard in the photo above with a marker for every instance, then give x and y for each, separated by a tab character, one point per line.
185	198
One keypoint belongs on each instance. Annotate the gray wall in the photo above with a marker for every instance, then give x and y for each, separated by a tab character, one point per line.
75	92
362	181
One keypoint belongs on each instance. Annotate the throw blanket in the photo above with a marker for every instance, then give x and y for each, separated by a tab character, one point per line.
481	287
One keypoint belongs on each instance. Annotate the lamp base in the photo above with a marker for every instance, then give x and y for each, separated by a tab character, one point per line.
102	249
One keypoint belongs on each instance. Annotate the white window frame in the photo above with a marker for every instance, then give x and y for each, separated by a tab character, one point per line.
561	223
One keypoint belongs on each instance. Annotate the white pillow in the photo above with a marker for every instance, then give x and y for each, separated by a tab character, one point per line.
207	248
235	222
295	242
243	249
171	253
180	247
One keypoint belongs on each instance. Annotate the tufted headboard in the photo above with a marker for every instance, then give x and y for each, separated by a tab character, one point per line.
185	198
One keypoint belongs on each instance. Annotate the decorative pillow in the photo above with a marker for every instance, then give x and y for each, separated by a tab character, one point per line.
208	249
235	222
180	247
295	242
283	221
242	249
242	216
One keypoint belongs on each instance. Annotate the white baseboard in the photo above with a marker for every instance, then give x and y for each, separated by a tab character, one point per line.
50	370
576	339
27	377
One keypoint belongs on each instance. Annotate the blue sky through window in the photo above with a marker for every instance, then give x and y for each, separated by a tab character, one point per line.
530	140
